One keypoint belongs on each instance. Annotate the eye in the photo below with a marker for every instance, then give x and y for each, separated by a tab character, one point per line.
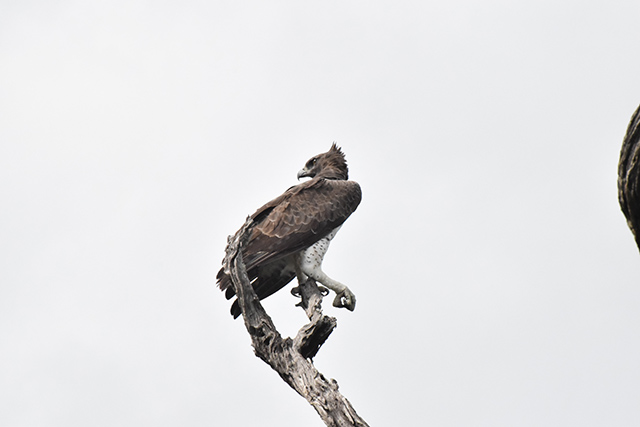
313	161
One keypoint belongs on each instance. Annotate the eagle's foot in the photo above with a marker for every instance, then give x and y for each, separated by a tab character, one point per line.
295	291
346	299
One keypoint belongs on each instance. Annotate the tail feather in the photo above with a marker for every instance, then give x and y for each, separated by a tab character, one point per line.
235	309
264	288
265	282
223	279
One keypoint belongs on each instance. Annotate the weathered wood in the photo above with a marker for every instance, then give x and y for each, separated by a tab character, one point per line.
311	336
629	176
291	359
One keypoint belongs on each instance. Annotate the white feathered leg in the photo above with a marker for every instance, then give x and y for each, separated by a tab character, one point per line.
310	265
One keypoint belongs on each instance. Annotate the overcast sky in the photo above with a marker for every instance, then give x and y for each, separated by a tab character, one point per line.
497	282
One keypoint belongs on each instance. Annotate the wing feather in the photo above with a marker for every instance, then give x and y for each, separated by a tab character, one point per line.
306	214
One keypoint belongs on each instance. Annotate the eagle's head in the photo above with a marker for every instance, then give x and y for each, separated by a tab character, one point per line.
329	165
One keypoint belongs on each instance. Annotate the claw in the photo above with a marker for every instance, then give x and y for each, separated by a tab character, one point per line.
295	291
346	299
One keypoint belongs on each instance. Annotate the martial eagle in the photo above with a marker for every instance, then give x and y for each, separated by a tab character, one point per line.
292	232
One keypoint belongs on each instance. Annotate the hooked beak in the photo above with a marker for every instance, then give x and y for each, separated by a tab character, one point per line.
303	173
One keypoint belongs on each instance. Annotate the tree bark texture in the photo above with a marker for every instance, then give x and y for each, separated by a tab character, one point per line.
291	358
629	176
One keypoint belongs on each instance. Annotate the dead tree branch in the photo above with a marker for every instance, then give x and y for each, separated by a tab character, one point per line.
629	176
291	359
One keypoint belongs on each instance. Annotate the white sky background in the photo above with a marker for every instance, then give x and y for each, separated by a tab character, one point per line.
497	282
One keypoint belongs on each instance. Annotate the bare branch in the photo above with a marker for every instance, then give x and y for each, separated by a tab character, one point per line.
311	336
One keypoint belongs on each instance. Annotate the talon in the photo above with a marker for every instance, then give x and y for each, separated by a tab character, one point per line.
295	291
324	291
345	299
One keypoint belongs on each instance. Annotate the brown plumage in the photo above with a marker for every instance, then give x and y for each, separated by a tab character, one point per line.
303	216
